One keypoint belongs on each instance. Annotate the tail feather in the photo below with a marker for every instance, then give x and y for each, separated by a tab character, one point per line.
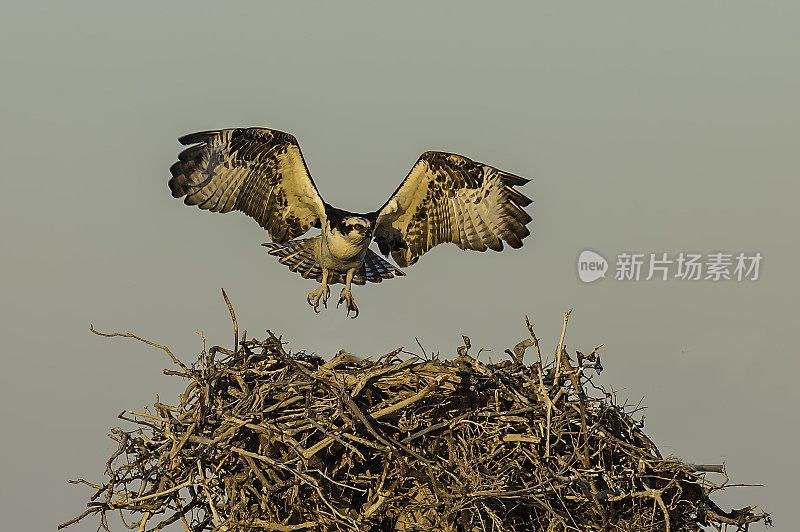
301	257
308	268
375	269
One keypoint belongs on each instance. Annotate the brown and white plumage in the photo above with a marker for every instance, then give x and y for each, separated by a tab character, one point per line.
261	172
301	256
450	198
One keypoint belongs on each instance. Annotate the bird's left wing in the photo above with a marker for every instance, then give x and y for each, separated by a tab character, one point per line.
260	172
450	198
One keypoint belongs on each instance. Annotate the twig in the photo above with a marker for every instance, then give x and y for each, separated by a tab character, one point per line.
233	319
148	342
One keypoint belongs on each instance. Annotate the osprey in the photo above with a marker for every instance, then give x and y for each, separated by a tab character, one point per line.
261	172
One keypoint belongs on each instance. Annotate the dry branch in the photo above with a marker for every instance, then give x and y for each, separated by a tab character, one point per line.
264	439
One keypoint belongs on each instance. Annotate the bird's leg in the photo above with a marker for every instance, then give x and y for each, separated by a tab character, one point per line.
320	293
347	295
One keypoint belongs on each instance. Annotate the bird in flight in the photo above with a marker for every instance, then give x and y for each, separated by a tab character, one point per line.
261	172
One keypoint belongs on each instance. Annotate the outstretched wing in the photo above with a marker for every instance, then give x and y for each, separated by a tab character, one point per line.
450	198
260	172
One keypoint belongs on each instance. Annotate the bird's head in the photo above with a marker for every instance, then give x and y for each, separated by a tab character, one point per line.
355	228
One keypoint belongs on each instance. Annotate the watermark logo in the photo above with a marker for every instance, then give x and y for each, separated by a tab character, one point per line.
591	266
683	266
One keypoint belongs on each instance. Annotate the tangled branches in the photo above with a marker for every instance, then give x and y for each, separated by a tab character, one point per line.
263	439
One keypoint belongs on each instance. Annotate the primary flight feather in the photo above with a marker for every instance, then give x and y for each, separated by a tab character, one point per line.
261	172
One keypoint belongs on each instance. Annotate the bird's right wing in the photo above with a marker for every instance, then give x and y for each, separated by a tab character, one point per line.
260	172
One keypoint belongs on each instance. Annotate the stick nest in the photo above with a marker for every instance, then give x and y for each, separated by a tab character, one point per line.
266	439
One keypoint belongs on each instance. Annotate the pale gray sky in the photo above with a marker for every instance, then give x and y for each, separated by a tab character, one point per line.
645	128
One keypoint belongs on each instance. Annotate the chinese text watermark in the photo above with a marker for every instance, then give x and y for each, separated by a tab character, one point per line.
683	266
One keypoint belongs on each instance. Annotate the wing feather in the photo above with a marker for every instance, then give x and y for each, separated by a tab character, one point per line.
450	198
258	171
471	227
456	226
490	229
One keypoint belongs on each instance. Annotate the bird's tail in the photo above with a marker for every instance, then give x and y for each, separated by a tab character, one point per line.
301	256
375	269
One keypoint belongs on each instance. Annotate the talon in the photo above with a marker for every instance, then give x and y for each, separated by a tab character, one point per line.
325	294
314	297
347	297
